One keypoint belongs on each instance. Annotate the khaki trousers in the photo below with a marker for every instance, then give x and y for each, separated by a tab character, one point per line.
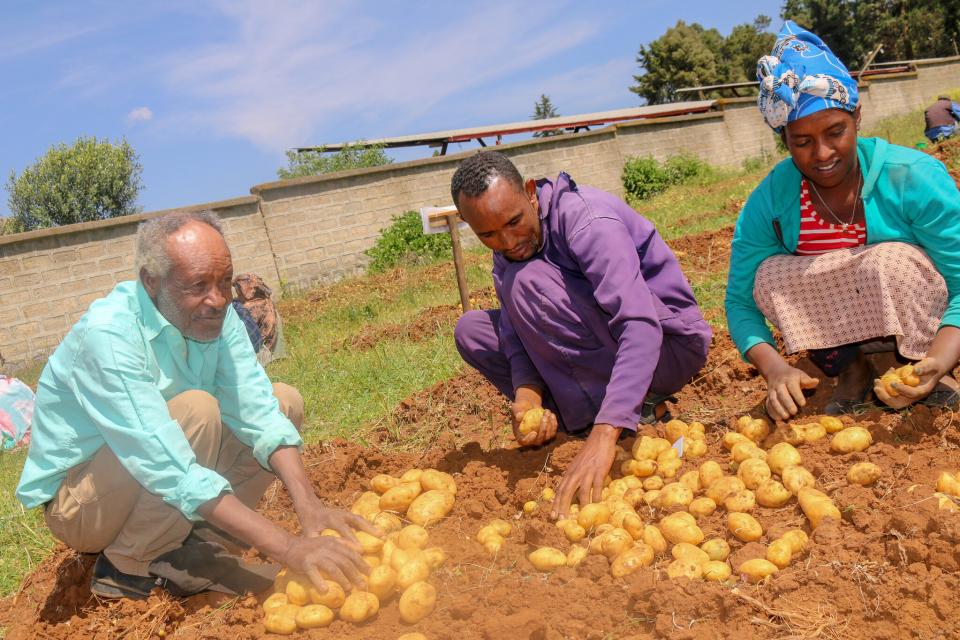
101	507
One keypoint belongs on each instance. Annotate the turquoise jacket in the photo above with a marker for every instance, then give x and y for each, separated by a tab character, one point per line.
908	196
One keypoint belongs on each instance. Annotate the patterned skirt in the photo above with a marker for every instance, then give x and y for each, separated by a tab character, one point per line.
853	295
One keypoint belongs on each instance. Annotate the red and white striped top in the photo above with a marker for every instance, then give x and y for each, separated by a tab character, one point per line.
819	236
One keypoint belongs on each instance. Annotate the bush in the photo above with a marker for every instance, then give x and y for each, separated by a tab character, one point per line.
317	162
646	177
404	242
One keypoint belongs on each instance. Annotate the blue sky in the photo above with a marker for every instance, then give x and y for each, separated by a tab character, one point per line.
210	94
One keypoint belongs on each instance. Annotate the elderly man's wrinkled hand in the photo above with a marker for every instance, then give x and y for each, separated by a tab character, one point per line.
315	517
327	557
585	475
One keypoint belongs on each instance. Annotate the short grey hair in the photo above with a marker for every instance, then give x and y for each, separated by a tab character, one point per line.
152	237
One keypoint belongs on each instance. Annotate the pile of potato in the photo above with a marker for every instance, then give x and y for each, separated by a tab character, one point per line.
400	564
672	502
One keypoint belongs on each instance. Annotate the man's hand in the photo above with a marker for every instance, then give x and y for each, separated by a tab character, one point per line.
929	371
315	517
326	556
586	473
528	397
785	385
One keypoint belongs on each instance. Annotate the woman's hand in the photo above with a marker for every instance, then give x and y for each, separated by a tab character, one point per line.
785	385
928	370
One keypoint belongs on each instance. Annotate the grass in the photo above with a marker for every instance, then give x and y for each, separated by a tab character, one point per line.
24	538
906	129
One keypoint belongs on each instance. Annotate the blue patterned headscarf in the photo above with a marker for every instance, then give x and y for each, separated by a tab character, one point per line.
802	76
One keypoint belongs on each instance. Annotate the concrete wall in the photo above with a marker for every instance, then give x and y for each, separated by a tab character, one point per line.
314	230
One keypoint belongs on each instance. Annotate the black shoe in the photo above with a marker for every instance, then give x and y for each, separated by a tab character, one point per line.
654	409
109	582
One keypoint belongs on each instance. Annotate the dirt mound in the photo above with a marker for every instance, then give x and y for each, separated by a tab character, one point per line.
703	254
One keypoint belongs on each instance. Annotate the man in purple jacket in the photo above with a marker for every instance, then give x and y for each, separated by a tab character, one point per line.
595	315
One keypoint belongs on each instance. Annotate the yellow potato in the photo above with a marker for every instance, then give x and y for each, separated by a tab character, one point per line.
771	493
367	505
653	483
575	555
716	571
743	501
779	552
430	507
723	487
676	429
435	556
851	439
372	560
709	472
681	527
686	550
674	495
417	602
695	449
752	472
387	522
618	487
684	568
314	616
548	494
783	455
431	480
493	544
831	424
411	475
796	477
413	536
369	544
530	506
716	549
733	438
691	480
297	590
655	539
333	597
412	636
401	557
945	502
639	468
669	468
887	381
757	570
747	450
863	473
907	375
647	448
817	505
632	559
650	497
813	432
744	526
701	507
573	531
381	581
531	421
632	482
381	483
547	559
633	525
756	429
593	515
274	602
949	484
400	497
798	540
282	621
359	606
414	570
615	542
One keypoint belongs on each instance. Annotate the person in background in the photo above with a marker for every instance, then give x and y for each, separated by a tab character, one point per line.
849	245
941	119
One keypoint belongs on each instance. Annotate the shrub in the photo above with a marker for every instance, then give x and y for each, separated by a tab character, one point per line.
646	177
404	242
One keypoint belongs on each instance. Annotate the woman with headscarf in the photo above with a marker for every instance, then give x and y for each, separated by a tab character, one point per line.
847	244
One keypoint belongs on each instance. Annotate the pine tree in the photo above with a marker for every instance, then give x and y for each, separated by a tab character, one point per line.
543	109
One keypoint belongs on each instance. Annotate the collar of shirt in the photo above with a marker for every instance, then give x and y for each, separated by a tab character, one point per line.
153	321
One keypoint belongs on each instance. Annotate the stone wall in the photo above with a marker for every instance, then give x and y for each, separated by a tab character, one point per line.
315	230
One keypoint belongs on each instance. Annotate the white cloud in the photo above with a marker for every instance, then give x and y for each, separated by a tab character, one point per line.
140	114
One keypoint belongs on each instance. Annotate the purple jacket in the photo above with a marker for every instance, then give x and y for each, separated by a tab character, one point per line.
585	316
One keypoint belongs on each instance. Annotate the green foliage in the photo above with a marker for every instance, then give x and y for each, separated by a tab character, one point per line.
89	180
313	163
543	109
404	242
908	29
10	225
646	177
690	56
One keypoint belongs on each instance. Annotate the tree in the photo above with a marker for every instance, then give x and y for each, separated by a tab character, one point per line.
543	109
89	180
316	162
684	56
744	46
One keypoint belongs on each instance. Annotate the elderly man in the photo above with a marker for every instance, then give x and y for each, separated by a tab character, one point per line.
595	315
940	119
156	431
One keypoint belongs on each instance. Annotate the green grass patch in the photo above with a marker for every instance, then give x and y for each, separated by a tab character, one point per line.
907	129
24	538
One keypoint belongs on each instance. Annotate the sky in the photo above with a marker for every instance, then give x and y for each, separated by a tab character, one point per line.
211	93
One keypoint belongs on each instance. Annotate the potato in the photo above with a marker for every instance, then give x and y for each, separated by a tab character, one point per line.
684	568
493	544
723	487
593	515
431	480
368	504
733	438
817	505
701	507
654	539
282	621
851	439
781	456
274	602
633	525
653	483
669	468
389	546
372	560
771	493
716	570
752	472
297	590
411	475
381	581
639	468
369	544
401	557
709	472
530	506
632	482
417	602
798	540
674	495
531	421
359	606
399	497
573	531
618	487
746	450
676	429
650	497
949	484
647	448
412	636
387	522
756	429
430	507
314	616
686	550
716	549
501	527
414	570
615	542
744	527
333	597
691	480
863	473
945	502
575	555
632	559
435	556
757	570
813	432
904	375
796	477
695	449
332	533
381	483
779	552
547	559
831	424
413	536
681	527
548	494
742	500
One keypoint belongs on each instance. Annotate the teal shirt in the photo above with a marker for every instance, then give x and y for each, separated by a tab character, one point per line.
908	196
108	383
